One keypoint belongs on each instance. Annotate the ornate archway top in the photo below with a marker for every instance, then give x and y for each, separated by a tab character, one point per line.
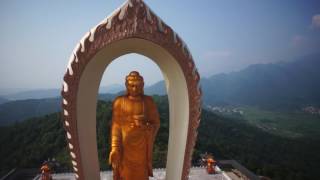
130	8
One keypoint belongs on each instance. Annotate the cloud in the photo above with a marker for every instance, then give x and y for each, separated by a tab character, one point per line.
217	54
316	21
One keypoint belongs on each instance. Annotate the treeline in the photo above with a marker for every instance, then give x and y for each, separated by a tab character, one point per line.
29	143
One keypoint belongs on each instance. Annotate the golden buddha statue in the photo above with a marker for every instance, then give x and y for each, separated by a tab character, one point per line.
135	123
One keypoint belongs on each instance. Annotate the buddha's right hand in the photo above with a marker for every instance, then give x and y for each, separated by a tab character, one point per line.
114	158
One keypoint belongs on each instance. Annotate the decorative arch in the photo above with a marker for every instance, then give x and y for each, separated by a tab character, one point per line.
132	28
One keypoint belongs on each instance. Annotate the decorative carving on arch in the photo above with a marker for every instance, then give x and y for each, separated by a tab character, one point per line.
134	19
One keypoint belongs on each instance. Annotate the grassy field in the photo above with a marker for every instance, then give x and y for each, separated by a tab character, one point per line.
287	124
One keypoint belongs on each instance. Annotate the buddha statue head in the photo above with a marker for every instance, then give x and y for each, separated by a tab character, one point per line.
134	84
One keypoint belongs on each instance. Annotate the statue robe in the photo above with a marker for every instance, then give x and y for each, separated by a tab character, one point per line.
135	143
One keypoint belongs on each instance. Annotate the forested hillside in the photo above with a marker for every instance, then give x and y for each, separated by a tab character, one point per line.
15	111
29	143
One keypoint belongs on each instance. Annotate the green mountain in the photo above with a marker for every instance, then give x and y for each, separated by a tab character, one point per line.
35	103
15	111
29	143
158	88
289	85
113	89
277	86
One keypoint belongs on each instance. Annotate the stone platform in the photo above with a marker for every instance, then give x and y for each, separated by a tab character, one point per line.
196	173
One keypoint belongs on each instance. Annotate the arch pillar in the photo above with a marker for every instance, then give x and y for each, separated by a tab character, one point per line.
133	28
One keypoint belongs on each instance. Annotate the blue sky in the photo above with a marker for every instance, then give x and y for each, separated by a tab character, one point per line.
38	36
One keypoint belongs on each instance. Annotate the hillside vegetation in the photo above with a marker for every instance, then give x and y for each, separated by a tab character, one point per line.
28	143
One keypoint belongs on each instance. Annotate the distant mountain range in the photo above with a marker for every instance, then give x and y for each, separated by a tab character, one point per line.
53	93
287	85
278	86
33	94
111	89
158	88
3	100
15	111
41	102
6	91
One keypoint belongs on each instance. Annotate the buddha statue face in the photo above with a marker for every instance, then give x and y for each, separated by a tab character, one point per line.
134	84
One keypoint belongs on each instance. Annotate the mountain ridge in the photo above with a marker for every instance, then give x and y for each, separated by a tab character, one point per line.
3	100
282	85
287	86
19	110
293	84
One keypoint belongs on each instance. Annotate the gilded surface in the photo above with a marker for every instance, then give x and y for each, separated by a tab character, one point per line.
135	123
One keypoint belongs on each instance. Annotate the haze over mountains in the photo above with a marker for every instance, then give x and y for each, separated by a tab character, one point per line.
3	100
51	93
278	86
283	85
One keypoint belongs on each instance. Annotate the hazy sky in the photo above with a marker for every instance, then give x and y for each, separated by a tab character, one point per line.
38	36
